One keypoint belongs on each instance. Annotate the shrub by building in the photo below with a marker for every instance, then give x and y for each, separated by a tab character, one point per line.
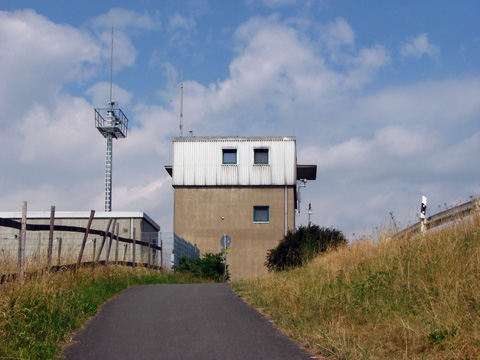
301	245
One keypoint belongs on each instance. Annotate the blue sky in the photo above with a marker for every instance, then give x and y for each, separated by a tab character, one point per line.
382	95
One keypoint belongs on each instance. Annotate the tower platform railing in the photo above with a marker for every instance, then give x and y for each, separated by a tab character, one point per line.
111	121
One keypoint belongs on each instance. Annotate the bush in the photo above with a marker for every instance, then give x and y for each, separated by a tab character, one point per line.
211	266
297	247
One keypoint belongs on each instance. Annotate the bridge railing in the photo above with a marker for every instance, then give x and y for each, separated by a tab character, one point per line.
444	217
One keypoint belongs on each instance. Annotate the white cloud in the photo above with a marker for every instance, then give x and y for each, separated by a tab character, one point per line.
434	105
372	58
388	168
365	65
278	69
375	153
139	196
391	150
337	34
99	94
46	135
354	153
152	134
38	58
459	159
181	31
178	21
400	142
419	46
122	19
127	24
51	152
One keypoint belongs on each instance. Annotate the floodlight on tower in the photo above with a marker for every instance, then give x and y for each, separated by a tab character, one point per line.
112	123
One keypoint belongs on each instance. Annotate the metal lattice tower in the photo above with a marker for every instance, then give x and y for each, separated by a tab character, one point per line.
112	123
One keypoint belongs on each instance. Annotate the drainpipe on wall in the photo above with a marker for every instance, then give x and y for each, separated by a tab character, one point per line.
298	194
286	210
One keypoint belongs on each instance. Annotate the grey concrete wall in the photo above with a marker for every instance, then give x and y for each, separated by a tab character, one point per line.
198	218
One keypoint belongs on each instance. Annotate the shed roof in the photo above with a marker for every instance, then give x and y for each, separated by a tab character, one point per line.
81	215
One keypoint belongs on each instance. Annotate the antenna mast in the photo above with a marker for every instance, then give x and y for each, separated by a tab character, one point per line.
111	68
112	123
181	105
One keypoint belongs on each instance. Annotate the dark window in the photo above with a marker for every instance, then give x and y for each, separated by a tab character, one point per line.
229	156
261	214
260	156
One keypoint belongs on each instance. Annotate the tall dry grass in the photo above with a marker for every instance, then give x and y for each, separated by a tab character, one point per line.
39	314
411	298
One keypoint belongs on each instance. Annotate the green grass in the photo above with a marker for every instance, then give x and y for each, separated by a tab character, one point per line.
38	316
410	298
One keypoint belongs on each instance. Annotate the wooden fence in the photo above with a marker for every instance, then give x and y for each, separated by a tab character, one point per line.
107	239
444	217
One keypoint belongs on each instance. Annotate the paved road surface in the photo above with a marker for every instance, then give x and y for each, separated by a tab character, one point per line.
199	321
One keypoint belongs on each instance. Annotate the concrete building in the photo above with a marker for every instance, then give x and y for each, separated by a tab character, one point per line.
244	187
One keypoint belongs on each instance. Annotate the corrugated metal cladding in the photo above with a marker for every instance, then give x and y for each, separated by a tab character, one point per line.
197	161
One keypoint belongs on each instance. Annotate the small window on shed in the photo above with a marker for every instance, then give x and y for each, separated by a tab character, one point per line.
260	156
229	156
261	214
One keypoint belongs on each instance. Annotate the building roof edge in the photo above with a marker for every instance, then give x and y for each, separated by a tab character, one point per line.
81	215
233	138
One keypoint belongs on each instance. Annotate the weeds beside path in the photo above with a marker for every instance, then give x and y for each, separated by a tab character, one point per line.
410	298
39	315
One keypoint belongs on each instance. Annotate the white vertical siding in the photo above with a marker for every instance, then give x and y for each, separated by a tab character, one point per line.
198	162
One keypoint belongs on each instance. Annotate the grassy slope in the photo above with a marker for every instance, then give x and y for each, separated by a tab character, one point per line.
413	298
39	315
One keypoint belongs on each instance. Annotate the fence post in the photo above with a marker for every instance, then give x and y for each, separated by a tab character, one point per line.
423	217
80	255
133	250
22	239
161	254
50	237
59	251
103	240
116	245
110	242
94	250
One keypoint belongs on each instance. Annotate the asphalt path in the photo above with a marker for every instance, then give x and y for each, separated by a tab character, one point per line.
197	321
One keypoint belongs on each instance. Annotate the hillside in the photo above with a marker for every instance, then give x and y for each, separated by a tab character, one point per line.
411	298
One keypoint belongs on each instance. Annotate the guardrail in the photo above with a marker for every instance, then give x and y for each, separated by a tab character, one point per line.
443	217
107	239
